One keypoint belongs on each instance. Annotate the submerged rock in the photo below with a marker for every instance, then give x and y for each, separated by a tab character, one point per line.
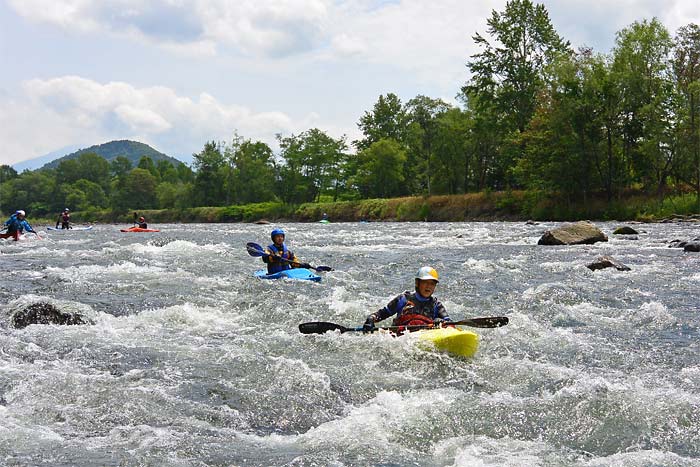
625	230
579	233
607	262
45	313
682	243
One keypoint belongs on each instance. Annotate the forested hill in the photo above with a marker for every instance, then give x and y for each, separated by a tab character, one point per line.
132	150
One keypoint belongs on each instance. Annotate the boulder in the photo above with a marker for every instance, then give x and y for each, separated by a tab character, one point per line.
607	262
692	246
683	244
625	230
45	313
578	233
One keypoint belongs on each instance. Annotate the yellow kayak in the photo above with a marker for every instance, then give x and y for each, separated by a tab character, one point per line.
451	340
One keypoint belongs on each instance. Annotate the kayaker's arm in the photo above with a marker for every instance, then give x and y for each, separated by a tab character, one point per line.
441	313
391	309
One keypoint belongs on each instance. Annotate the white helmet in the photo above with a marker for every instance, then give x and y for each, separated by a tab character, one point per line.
427	273
21	213
65	210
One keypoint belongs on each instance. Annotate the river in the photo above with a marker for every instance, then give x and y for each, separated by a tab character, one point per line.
191	361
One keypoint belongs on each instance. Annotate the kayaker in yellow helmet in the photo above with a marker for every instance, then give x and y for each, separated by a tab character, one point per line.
419	307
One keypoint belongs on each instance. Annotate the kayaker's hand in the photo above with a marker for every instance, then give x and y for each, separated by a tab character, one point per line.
369	324
438	322
305	265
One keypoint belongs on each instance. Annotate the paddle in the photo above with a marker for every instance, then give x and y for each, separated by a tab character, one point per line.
320	327
256	250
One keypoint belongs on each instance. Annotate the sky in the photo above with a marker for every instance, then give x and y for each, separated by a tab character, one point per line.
175	74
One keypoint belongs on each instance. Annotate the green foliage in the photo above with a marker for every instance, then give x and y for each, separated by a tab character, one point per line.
7	173
210	178
387	120
577	130
380	172
313	164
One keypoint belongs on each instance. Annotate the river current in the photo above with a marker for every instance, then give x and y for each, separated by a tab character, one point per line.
191	361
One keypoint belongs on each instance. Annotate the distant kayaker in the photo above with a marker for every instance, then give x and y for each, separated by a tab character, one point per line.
324	217
413	308
142	223
64	219
17	224
279	257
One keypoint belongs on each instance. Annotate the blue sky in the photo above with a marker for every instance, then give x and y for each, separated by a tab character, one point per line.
177	73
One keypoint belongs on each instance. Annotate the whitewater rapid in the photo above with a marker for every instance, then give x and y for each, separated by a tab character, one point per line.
191	361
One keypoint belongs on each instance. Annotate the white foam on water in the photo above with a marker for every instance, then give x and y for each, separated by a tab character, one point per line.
481	451
652	315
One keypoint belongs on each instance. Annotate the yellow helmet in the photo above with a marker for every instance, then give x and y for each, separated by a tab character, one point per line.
427	273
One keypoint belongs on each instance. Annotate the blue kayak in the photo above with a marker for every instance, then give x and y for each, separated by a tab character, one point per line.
296	273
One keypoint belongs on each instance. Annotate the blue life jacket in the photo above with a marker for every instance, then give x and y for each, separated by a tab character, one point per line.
13	225
403	299
276	265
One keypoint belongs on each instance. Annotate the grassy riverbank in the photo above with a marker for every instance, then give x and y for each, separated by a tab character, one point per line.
487	206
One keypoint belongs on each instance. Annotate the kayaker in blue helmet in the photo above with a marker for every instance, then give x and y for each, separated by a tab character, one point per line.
16	224
279	257
415	308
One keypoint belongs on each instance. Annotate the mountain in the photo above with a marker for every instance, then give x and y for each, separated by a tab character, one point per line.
33	164
132	150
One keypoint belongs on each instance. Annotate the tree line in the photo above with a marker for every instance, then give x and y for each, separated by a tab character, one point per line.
534	114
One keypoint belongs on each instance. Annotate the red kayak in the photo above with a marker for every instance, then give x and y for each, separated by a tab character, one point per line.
139	229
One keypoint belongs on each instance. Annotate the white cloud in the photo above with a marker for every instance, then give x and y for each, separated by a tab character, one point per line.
264	28
68	110
290	52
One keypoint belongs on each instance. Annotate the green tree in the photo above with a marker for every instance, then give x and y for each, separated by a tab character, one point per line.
7	173
381	169
32	191
85	195
686	72
454	167
641	56
422	117
210	177
120	166
386	120
508	75
140	189
312	162
88	166
147	163
254	172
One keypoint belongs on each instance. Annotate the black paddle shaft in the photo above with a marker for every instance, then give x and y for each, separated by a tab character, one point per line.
320	327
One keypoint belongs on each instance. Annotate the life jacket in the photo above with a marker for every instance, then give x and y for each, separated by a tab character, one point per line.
14	224
415	312
275	265
65	217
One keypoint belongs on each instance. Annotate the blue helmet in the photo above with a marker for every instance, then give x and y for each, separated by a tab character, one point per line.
276	232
